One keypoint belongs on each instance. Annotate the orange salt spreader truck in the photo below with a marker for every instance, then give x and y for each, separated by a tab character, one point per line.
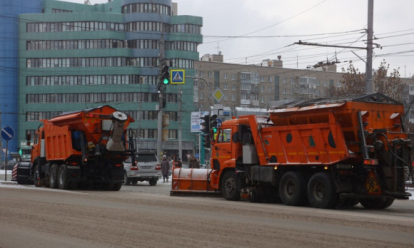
325	153
82	147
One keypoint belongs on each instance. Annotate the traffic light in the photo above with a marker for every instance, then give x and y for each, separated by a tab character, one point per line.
206	141
165	75
205	129
213	123
205	124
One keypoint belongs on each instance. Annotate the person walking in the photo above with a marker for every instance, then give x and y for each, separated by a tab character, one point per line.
193	163
165	167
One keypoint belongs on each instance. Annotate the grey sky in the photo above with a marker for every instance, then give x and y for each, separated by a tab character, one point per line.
301	20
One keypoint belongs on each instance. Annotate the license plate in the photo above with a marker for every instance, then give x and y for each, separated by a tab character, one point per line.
146	167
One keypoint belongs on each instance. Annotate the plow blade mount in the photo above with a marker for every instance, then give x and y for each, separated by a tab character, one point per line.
185	180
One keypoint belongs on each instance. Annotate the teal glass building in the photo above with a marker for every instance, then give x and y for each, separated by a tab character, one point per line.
75	56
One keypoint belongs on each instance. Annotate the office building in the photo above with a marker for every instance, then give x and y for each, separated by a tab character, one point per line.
76	56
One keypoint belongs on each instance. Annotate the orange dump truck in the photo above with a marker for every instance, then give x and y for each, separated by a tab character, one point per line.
79	148
326	153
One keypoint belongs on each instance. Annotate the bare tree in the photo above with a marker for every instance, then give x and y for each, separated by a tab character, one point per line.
353	82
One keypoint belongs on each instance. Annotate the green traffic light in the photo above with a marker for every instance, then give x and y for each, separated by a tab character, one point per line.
166	81
214	130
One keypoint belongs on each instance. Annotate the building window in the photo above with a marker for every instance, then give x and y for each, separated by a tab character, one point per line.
210	74
225	76
225	86
233	98
96	97
233	87
94	62
47	27
233	76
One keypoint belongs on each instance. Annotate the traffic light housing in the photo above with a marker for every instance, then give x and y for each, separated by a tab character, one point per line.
205	129
213	123
165	75
205	123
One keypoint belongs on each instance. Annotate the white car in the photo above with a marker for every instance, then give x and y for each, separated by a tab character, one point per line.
147	168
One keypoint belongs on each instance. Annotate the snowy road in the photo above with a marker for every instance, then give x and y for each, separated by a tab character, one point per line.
144	216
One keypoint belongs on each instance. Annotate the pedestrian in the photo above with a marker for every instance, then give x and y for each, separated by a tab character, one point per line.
165	167
193	163
179	163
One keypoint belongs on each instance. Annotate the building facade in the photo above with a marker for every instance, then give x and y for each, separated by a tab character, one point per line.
262	86
77	56
9	63
259	86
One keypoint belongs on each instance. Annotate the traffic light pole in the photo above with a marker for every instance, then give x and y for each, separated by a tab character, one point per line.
161	95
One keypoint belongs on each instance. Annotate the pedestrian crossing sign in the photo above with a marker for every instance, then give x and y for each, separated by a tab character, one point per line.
177	76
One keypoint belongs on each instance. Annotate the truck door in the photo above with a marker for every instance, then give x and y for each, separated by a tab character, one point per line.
222	152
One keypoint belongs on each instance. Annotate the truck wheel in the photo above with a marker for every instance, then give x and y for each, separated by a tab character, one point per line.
230	186
321	191
153	181
36	180
292	189
53	176
63	181
376	203
117	186
127	181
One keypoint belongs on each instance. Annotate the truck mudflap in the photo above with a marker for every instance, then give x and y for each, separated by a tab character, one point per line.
189	180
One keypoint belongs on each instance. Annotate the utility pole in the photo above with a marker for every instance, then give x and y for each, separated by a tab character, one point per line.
161	95
368	70
369	48
161	87
180	145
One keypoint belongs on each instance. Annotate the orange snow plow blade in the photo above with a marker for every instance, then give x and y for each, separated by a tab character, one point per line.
186	180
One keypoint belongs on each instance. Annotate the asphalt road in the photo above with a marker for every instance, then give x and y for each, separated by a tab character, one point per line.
145	216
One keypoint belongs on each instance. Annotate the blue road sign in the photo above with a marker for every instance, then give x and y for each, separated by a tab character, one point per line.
177	76
7	133
219	122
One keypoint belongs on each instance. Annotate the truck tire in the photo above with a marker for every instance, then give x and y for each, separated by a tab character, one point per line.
53	176
230	187
153	181
376	203
36	180
321	191
117	187
292	189
63	181
127	181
